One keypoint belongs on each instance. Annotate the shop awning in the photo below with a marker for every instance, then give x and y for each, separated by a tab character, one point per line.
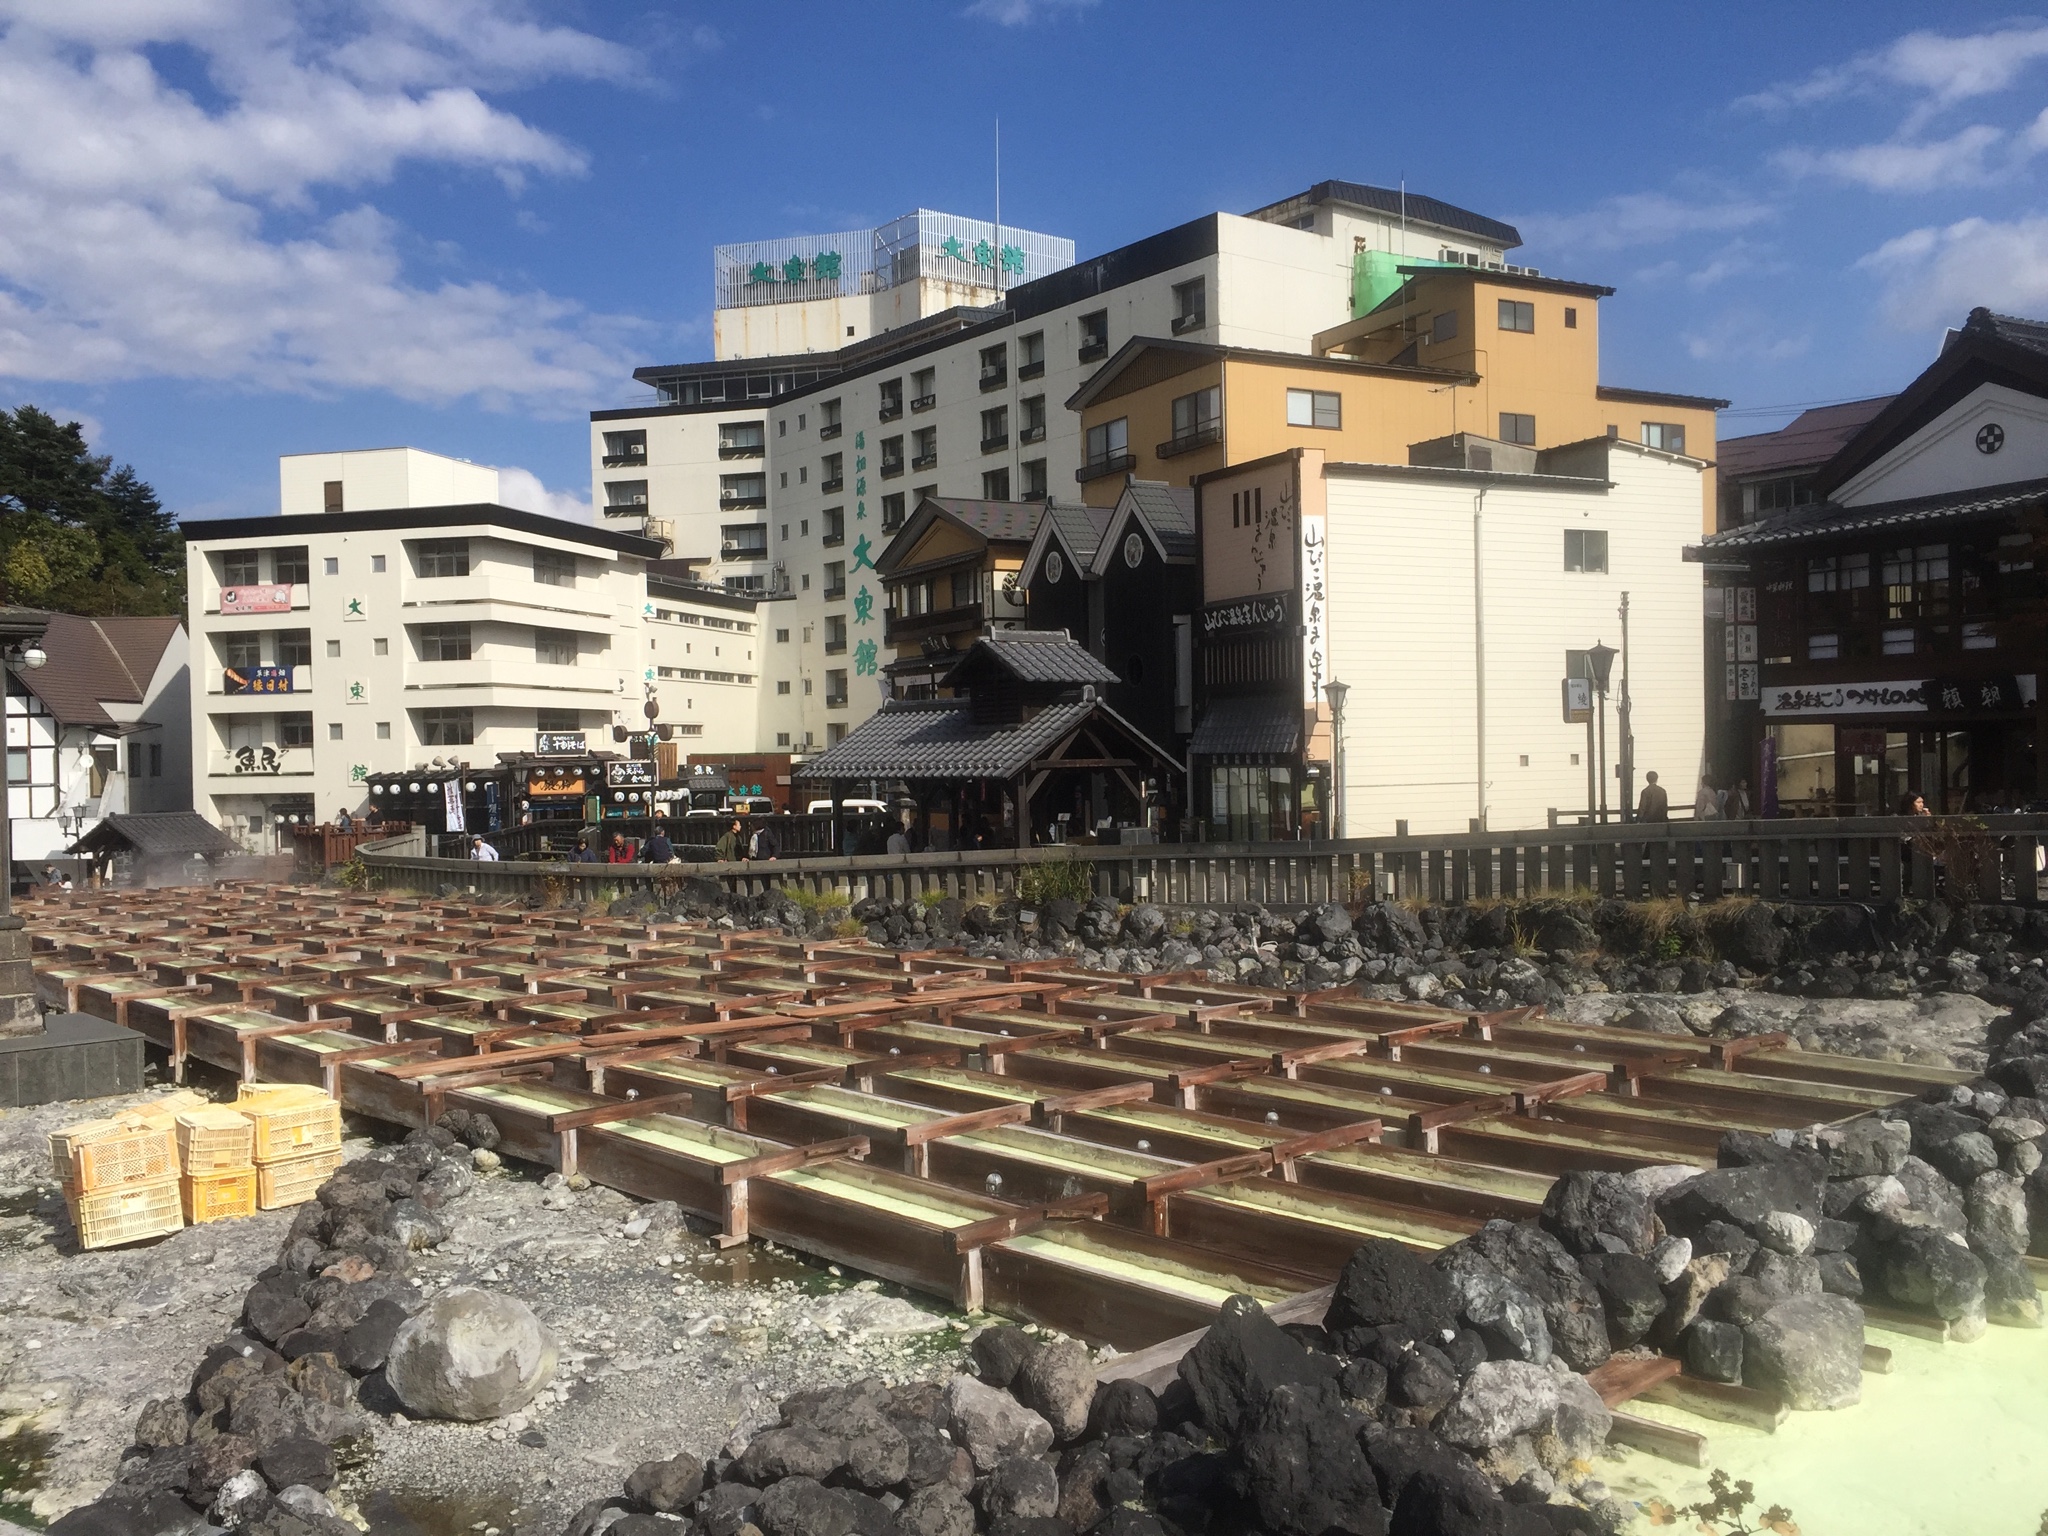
1261	726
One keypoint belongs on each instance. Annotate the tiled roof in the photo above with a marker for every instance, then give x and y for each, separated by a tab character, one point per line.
1011	520
1032	656
1261	726
1080	526
96	660
161	833
941	739
1170	509
1810	438
2021	332
1824	519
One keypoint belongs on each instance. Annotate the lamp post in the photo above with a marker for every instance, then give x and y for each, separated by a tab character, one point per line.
1601	659
1337	693
1625	748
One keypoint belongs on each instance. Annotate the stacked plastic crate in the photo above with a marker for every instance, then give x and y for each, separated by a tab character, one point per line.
120	1179
296	1140
216	1150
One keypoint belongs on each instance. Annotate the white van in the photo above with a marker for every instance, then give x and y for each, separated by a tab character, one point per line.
851	807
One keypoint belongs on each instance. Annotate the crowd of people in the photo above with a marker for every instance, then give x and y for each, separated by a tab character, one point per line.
735	843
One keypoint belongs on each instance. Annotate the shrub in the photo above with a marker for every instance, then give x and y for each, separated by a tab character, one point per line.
849	928
1068	877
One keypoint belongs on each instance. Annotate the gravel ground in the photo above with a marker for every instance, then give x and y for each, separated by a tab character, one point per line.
1942	1030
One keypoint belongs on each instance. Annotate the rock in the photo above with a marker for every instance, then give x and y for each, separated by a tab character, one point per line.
1996	1205
667	1487
1332	922
1058	1382
1123	1407
1809	1350
297	1460
1599	1213
1786	1232
1388	1282
271	1312
1670	1257
1020	1487
999	1353
1507	1317
1423	1379
215	1461
1750	937
1866	1147
936	1511
163	1421
1145	925
1501	1399
1539	1264
1742	1197
801	1506
1686	1295
1725	1237
1303	1468
1841	1275
1429	1486
1580	1427
1083	1496
470	1354
2010	1295
367	1344
1630	1294
1786	1274
1364	1382
1242	1357
1714	1350
1922	1268
798	1450
1928	1190
1744	1299
240	1499
993	1426
413	1226
1965	1157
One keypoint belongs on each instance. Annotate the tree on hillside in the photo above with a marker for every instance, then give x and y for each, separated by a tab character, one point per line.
77	534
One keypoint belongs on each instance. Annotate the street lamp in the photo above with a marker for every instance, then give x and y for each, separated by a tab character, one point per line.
1337	693
1601	659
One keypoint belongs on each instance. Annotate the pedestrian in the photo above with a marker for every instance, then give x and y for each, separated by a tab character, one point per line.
764	845
1706	805
1737	807
343	822
657	849
731	843
899	840
585	854
1655	804
482	851
618	852
1914	805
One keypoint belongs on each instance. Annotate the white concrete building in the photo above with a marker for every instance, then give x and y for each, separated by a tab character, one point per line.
100	729
329	645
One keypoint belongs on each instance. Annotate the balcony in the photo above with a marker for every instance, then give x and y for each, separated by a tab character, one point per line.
743	551
833	538
828	431
835	647
260	683
835	701
1026	435
891	468
1208	433
994	378
625	509
915	627
743	450
836	483
1093	351
992	444
1115	464
1030	371
891	410
925	461
923	403
626	460
265	762
836	594
256	598
1194	320
731	499
513	675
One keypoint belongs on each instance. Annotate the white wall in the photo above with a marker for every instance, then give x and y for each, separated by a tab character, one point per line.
682	472
1944	455
379	479
1403	633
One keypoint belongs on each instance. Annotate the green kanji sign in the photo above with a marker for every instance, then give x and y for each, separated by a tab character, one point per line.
952	247
984	254
826	267
864	658
1013	259
793	270
761	272
863	554
863	605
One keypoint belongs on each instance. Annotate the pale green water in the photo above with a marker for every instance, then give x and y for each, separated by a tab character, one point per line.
1954	1442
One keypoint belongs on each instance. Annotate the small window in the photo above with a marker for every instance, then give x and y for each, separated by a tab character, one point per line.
995	485
1585	549
447	727
1094	334
1031	355
1571	318
330	496
1032	481
1979	637
333	648
294	567
445	642
1668	435
560	720
891	394
240	568
555	647
380	647
783	688
295	730
334	730
1823	647
1314	408
924	389
242	649
331	566
628	497
383	730
377	564
444	557
295	648
156	760
1108	441
1444	328
782	737
554	568
892	512
1898	642
1190	305
782	637
995	365
1199	413
1518	428
1517	315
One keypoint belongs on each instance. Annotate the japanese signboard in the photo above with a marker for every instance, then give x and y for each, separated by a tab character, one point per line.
257	680
1269	612
1578	700
1315	607
633	773
558	743
1905	696
451	791
554	781
257	597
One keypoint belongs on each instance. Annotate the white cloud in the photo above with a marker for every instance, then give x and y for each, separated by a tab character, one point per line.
522	488
1935	275
1897	166
147	231
1944	70
1639	218
1744	332
1021	13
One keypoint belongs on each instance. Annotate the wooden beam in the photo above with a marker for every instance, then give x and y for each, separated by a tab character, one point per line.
1683	1446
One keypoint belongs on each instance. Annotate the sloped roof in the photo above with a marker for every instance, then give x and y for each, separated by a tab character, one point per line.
941	739
96	661
157	834
1031	656
1808	440
1169	510
2016	329
1825	519
1079	526
1259	726
1014	521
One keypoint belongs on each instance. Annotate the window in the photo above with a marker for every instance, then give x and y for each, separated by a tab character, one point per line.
383	730
1109	442
625	497
1314	408
835	580
783	483
17	765
1898	642
834	523
1032	480
965	588
1247	508
624	448
333	649
1198	415
919	492
743	490
1916	582
892	399
156	760
1443	328
995	366
555	647
892	455
782	637
995	485
1571	318
835	634
892	512
1837	573
1031	419
242	650
782	427
295	730
134	759
380	647
1585	549
330	496
447	727
377	564
331	566
444	557
828	419
924	389
741	440
295	648
835	689
557	720
1190	305
444	642
924	448
292	565
238	568
1515	315
782	737
1094	335
334	730
1979	637
1823	647
995	429
554	568
832	472
835	732
1668	435
1518	428
1031	355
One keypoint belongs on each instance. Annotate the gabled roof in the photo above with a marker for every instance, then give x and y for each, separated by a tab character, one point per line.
1399	202
97	661
1038	656
1258	726
1167	513
1807	441
1072	526
1989	349
998	522
1827	519
941	739
156	835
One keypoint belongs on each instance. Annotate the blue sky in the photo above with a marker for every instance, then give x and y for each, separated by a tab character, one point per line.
231	229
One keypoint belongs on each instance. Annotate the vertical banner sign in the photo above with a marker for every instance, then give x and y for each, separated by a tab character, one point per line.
451	790
494	814
1314	606
1767	777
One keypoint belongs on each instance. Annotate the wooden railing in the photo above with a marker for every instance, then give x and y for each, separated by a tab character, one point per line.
1867	859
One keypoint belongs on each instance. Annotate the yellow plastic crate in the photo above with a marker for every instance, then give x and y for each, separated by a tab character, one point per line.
293	1181
130	1154
215	1140
128	1213
218	1196
290	1120
64	1145
164	1112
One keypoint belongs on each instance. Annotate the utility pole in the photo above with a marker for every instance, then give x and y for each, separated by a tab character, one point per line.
1625	751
